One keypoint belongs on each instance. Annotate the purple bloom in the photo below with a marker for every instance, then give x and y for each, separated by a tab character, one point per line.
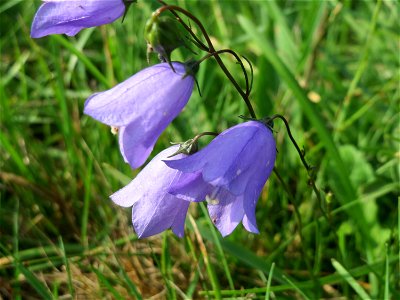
154	209
70	16
234	169
142	107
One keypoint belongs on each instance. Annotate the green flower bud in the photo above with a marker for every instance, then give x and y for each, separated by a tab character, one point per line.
189	147
163	35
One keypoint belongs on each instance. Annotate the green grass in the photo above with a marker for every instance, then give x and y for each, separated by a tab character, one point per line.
330	67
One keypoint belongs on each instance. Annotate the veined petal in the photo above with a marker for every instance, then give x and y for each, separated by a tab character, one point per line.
254	188
228	156
209	159
154	210
135	145
254	152
178	224
153	215
154	95
250	223
142	106
70	16
228	213
144	181
236	164
191	188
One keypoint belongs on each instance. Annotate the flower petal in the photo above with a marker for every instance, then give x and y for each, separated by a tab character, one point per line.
70	16
142	106
178	225
153	215
154	210
236	164
237	177
240	145
135	145
250	223
228	213
209	159
144	181
191	188
154	95
256	183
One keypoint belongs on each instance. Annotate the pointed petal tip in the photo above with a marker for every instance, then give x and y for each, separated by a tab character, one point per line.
121	199
179	234
225	234
226	231
140	236
250	226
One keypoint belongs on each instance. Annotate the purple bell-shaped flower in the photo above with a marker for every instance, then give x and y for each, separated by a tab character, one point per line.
142	107
153	208
231	172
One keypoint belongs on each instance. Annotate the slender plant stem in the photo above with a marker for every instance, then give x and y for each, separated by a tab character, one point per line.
310	169
210	49
196	138
213	54
311	174
250	87
299	222
190	146
200	44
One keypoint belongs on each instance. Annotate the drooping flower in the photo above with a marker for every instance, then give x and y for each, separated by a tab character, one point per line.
234	168
70	16
153	208
142	107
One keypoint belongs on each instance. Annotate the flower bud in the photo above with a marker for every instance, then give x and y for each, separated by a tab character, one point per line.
188	147
163	35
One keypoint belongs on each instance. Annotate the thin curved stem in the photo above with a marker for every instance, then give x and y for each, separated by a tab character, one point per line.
190	146
200	44
299	221
301	153
197	137
210	49
310	169
311	174
249	88
213	54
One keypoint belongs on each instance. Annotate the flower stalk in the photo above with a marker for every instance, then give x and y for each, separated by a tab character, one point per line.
190	146
209	48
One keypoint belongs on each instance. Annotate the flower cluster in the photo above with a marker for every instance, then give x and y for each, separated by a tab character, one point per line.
229	173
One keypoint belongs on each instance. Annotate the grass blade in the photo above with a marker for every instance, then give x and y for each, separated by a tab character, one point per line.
350	280
271	272
103	279
387	277
37	284
66	263
304	296
88	64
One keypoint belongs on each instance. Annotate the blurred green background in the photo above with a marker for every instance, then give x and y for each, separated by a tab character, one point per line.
330	67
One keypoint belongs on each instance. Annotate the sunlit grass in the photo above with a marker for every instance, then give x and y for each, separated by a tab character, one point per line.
330	67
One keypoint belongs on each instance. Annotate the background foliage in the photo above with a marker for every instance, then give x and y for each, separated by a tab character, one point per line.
330	67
